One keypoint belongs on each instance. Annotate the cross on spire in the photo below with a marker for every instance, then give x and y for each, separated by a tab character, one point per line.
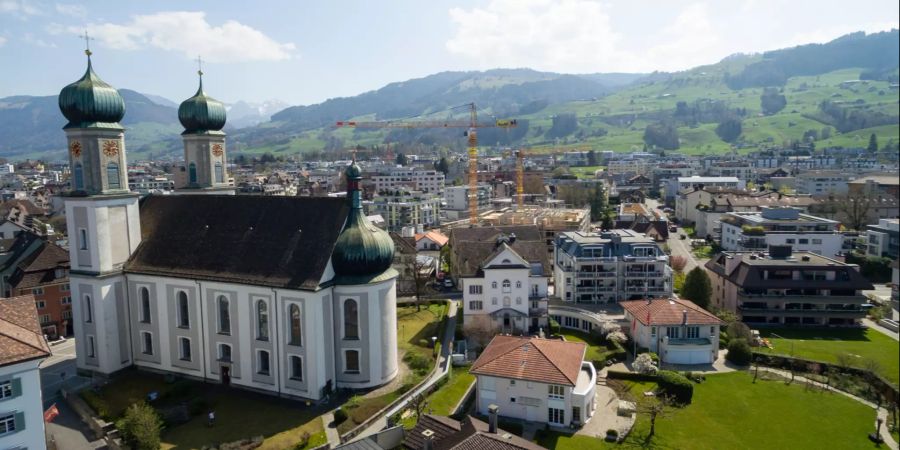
199	66
353	154
87	43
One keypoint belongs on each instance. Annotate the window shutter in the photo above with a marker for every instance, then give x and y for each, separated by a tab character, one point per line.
19	421
16	384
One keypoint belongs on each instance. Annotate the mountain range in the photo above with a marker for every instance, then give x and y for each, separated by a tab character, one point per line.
848	85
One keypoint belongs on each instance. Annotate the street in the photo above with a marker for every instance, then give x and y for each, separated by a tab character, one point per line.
57	371
676	245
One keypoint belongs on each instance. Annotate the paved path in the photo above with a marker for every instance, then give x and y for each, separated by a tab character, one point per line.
678	246
443	366
871	324
331	432
67	430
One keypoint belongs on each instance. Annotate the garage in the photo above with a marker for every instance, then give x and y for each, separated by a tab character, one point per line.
688	356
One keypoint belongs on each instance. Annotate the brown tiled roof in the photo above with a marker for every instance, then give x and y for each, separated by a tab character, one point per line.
666	311
25	205
542	360
21	338
40	267
467	434
472	247
269	241
438	238
402	244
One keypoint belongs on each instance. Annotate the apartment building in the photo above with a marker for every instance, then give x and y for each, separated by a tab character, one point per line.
821	182
609	267
44	274
456	199
780	287
429	181
416	209
883	239
750	231
742	170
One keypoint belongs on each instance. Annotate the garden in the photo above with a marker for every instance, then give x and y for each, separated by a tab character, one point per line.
600	349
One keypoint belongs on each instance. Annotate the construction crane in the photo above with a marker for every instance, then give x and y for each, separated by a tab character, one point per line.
471	125
520	178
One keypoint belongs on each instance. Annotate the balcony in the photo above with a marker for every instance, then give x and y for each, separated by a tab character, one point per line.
645	289
644	274
596	274
689	341
802	298
591	289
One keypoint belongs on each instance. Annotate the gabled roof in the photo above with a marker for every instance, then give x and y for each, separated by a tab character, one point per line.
402	244
436	237
468	433
669	312
21	338
17	248
472	247
40	267
542	360
268	241
510	259
27	206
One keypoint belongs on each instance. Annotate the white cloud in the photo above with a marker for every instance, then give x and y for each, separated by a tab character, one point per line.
578	36
822	35
2	41
71	10
189	33
31	39
19	8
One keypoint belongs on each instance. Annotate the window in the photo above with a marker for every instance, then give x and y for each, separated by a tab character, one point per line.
653	331
65	301
804	241
147	343
351	363
88	311
494	301
351	319
296	337
220	173
817	242
6	389
78	175
475	289
693	332
789	241
7	424
506	301
65	287
493	285
112	176
224	353
192	173
672	332
518	284
476	305
556	391
83	245
38	291
184	313
506	286
224	316
512	382
45	319
712	331
185	347
90	349
557	416
262	362
40	304
262	320
67	314
296	368
145	305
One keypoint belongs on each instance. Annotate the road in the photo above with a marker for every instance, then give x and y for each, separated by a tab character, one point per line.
676	245
59	371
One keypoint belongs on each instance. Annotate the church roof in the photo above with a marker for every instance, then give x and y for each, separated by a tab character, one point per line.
273	241
201	113
91	102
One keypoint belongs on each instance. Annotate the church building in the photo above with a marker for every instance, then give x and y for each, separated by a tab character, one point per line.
290	295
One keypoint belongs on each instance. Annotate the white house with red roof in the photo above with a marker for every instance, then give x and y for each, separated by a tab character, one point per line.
536	379
678	330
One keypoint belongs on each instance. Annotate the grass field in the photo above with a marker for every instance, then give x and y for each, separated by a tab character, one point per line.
443	400
729	411
827	344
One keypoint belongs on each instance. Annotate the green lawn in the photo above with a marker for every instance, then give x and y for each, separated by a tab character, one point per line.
825	344
595	350
239	414
678	281
443	400
585	172
729	411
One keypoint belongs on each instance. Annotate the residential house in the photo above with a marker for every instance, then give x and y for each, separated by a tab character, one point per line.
12	252
874	186
428	181
883	239
749	231
406	209
822	182
780	288
608	267
45	275
443	433
431	240
405	264
536	379
677	330
22	349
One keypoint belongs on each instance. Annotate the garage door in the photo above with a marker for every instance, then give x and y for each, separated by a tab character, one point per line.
688	357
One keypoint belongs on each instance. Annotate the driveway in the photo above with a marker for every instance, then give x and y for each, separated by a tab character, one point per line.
58	371
678	246
605	415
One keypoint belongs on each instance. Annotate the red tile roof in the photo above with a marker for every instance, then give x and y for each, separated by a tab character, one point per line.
435	237
664	311
21	338
534	359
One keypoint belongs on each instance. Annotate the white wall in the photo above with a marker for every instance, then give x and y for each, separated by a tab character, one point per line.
30	434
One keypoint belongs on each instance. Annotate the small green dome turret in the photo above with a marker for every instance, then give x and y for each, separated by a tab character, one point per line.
362	249
90	102
201	113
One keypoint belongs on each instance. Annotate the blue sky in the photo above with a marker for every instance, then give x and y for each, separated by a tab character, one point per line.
305	52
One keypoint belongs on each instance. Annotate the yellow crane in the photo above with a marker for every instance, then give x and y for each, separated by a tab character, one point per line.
472	125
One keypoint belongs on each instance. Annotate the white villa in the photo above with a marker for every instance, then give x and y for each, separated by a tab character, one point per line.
535	379
286	295
677	330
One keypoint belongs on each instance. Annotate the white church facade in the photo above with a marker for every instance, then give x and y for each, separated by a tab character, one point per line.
288	295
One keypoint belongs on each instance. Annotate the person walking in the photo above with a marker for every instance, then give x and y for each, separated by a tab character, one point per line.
212	418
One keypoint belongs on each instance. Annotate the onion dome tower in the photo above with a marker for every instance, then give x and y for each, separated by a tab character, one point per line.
203	118
362	250
96	140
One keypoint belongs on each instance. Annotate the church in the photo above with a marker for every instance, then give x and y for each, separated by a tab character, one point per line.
293	296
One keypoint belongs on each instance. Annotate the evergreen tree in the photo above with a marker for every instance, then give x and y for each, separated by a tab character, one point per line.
442	166
141	427
873	144
697	287
402	160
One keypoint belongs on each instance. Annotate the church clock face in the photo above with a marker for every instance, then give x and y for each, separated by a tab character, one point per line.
75	148
110	148
217	149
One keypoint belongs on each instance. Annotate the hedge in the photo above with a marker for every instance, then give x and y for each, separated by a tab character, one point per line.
632	376
676	386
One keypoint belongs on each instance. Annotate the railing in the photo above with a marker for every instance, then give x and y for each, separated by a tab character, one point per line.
589	274
805	298
644	274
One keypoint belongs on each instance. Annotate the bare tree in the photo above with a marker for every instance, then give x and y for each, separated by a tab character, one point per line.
418	403
654	408
480	335
678	263
853	210
419	270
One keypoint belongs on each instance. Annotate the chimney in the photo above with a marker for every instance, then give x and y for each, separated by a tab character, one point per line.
428	440
493	410
684	317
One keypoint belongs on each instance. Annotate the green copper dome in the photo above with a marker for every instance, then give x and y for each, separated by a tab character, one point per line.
362	249
90	102
201	113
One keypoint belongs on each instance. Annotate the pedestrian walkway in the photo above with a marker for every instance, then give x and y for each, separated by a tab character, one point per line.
873	325
70	433
331	432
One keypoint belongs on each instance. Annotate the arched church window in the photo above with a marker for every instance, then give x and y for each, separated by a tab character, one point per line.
296	338
112	176
78	176
192	173
220	173
224	315
184	319
262	320
351	319
145	305
506	285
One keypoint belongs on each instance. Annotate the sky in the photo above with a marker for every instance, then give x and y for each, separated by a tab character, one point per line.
304	52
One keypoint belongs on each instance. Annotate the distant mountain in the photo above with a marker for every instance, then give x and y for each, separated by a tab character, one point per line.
160	100
245	114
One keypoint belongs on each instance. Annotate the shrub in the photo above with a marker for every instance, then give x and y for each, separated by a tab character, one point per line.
654	357
340	416
617	337
140	427
738	330
644	364
739	352
419	363
437	349
96	403
609	327
633	376
674	385
303	442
